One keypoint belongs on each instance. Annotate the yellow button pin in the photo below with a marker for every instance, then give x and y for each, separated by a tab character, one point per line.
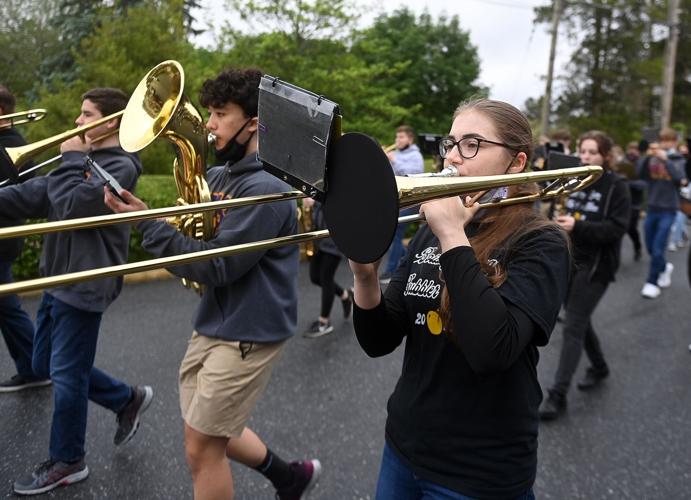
434	323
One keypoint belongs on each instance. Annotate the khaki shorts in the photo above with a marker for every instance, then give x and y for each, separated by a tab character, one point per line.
221	381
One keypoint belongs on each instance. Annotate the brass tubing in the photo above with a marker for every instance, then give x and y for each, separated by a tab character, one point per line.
29	116
154	213
147	265
412	191
564	182
21	154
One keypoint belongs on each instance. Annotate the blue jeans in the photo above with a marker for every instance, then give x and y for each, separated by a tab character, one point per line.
64	349
657	226
17	329
396	251
398	482
679	228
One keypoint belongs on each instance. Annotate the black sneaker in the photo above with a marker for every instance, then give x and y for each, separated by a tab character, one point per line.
385	278
318	329
20	382
347	304
49	475
128	417
592	378
306	473
552	407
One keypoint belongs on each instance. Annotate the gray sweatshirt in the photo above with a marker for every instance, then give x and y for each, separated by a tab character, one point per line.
663	179
247	297
66	193
408	161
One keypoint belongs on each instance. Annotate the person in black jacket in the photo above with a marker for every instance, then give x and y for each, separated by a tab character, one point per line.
596	218
323	266
15	324
476	294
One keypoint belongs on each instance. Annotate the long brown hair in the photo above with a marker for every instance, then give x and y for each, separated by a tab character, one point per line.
501	227
604	145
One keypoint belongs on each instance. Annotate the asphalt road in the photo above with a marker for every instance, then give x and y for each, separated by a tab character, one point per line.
629	439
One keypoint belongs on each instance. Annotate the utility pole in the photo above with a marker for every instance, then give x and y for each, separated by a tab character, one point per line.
544	118
670	60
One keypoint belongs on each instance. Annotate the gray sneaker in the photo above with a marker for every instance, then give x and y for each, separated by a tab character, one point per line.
128	417
318	329
50	475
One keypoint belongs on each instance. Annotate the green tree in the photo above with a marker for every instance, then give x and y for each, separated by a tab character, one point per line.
74	20
118	54
27	38
613	79
438	66
308	48
301	20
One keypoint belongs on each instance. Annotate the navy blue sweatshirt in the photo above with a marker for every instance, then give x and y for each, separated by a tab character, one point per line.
247	297
67	193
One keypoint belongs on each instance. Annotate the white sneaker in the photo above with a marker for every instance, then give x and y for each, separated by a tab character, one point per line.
672	247
665	278
650	291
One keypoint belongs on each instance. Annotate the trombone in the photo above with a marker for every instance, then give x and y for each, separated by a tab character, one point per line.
25	172
18	156
411	191
29	116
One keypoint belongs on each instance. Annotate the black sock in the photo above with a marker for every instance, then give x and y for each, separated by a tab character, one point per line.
276	470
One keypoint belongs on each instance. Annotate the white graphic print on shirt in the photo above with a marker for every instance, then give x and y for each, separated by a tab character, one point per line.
428	287
582	203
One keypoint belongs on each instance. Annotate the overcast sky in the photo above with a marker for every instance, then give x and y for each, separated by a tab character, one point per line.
513	52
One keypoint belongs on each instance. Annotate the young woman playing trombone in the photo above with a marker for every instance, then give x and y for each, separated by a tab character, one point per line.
477	293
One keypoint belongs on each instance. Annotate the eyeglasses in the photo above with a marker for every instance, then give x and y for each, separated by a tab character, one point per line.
467	147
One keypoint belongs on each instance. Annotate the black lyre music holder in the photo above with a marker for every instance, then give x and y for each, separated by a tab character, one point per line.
300	142
296	128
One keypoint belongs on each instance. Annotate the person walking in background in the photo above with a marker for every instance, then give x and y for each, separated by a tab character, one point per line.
323	266
405	159
663	171
596	218
627	167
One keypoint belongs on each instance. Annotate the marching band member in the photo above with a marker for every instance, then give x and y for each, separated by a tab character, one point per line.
596	219
69	316
477	293
405	159
15	324
248	308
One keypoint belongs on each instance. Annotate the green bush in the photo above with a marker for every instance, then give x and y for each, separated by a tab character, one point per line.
156	190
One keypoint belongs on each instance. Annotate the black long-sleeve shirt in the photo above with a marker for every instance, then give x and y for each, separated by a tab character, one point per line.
11	249
464	411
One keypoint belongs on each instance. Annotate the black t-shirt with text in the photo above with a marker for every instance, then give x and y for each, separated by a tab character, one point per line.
464	411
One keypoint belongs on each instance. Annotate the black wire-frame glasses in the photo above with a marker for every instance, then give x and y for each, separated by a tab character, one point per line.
468	147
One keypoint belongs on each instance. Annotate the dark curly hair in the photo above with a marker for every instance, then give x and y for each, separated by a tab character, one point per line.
239	86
